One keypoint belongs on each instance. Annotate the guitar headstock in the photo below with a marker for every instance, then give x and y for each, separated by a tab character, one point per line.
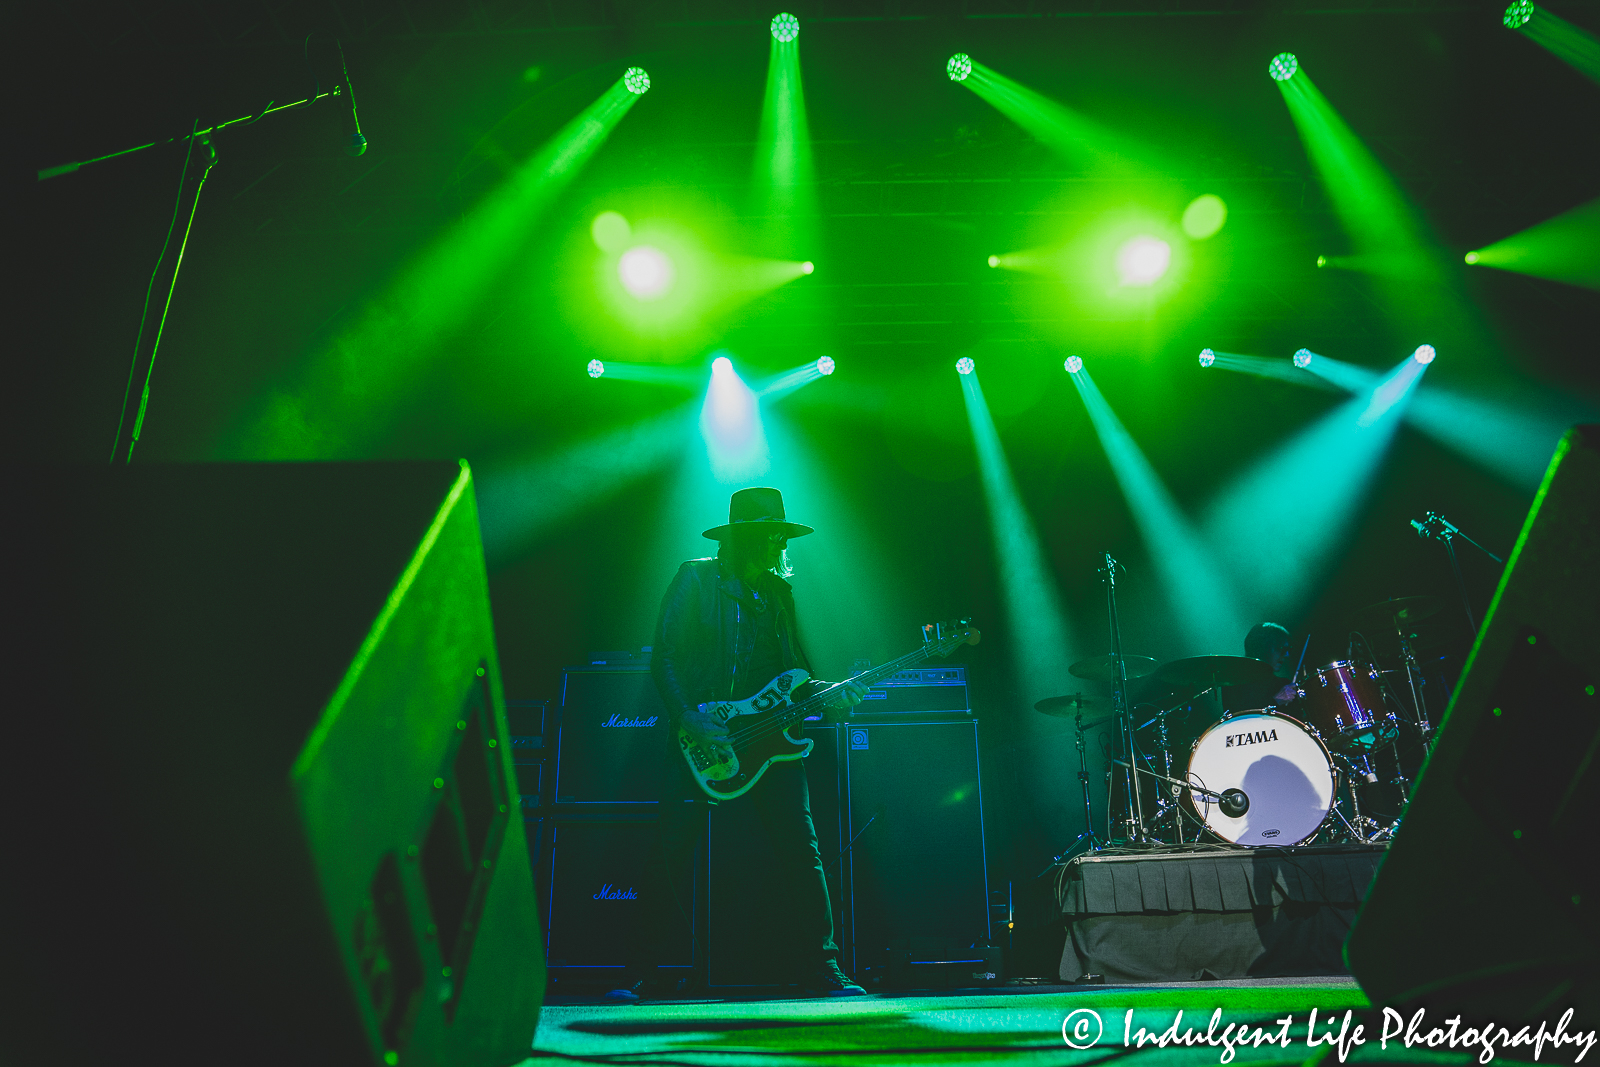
949	636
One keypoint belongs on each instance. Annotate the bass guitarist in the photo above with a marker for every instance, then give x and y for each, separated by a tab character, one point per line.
726	629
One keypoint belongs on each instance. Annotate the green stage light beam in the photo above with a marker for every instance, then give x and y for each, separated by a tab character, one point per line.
1192	579
1389	239
730	423
1576	47
1042	641
1065	131
1283	370
521	502
1278	525
1563	249
784	176
651	373
340	406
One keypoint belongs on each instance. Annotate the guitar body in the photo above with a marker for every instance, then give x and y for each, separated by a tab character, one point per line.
758	740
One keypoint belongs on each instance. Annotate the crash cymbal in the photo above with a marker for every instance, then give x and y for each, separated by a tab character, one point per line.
1401	611
1205	671
1099	667
1067	707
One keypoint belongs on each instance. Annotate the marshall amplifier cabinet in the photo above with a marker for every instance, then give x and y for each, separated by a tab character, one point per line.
920	691
613	746
917	870
596	897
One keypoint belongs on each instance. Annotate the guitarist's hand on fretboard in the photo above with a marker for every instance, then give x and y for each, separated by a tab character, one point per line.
848	694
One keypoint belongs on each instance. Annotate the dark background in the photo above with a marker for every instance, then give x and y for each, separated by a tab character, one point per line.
919	181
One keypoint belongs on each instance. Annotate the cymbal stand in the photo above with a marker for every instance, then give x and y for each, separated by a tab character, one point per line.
1167	805
1416	681
1088	835
1133	820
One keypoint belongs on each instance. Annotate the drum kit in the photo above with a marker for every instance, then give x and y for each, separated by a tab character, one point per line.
1312	764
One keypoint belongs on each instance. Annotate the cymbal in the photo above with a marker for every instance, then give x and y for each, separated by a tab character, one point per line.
1098	668
1401	610
1067	707
1203	671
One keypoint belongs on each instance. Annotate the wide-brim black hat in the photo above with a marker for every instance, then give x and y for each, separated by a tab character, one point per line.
758	507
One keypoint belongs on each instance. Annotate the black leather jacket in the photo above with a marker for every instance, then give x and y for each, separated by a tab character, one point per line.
705	638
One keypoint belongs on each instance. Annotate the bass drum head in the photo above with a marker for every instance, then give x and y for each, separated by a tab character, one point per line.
1279	765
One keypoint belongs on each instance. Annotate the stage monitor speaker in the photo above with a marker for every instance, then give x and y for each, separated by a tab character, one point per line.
258	787
614	747
917	869
1488	901
744	945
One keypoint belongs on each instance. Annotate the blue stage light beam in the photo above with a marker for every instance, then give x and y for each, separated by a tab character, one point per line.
1192	578
650	373
730	422
522	501
1283	370
1278	525
783	384
1042	642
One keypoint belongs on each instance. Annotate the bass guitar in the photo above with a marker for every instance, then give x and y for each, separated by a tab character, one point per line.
758	727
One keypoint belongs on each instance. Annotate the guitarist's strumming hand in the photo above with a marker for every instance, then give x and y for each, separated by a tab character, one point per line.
699	724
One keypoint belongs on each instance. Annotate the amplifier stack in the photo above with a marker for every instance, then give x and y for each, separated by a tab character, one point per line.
896	798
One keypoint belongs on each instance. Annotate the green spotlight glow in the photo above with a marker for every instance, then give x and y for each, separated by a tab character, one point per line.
1569	43
1563	249
611	232
785	27
959	67
646	272
1070	133
1424	354
783	177
1204	216
1322	261
824	364
1302	358
1207	357
1143	260
964	365
1281	370
1074	364
596	368
1283	66
637	81
994	261
807	267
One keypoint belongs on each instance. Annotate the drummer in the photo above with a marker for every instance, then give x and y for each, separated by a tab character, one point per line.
1269	643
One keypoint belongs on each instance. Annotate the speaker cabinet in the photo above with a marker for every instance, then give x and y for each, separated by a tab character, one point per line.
599	905
1499	834
613	737
260	785
917	868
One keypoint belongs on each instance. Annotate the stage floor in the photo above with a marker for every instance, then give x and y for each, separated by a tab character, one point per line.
1014	1025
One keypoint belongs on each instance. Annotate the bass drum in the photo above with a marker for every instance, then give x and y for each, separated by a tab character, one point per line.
1282	768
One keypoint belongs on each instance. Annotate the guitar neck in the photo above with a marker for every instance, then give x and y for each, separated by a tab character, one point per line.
929	650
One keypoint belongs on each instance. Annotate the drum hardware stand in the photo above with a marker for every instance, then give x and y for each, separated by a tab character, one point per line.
1133	820
1362	827
1439	528
1095	844
1413	673
1234	802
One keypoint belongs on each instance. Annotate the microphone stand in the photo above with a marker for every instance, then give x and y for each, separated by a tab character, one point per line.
1133	820
1439	528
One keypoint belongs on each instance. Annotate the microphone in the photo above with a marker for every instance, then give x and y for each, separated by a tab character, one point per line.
1234	803
356	142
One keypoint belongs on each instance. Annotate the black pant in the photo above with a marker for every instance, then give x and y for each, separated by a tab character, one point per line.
801	929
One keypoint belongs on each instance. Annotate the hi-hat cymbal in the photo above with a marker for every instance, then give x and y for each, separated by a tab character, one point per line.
1067	707
1401	611
1205	671
1098	668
